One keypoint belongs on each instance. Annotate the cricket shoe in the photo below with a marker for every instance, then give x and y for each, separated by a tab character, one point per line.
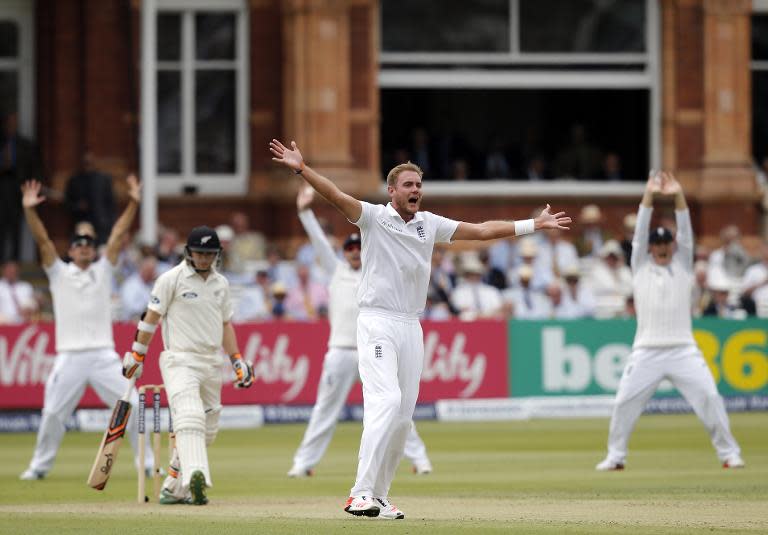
423	468
168	498
197	488
299	472
608	465
31	475
388	511
733	461
362	506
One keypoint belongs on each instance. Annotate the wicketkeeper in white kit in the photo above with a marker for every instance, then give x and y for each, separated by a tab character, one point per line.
340	362
397	243
664	347
193	301
85	350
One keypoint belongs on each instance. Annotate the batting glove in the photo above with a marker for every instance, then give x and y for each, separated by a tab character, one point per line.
133	364
243	371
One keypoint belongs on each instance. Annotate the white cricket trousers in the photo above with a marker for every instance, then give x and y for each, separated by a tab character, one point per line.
391	359
193	386
686	368
72	372
340	371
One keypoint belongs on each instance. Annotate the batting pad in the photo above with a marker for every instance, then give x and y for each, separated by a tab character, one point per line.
189	424
212	425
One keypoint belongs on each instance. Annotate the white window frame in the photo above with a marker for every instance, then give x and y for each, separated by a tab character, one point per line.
471	77
206	183
22	12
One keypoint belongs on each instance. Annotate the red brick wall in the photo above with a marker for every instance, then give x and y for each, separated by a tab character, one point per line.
266	76
88	95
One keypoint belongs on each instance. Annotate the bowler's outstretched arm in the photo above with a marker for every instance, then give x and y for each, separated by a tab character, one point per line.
292	158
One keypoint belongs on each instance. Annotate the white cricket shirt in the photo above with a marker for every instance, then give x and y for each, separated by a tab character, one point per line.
663	293
82	301
342	289
396	258
193	309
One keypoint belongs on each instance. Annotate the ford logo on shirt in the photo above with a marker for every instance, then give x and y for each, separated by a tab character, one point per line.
189	295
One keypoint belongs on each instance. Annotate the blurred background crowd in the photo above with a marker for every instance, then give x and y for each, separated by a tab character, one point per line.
492	99
581	274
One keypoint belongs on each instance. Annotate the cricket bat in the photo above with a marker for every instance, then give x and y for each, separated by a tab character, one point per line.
110	444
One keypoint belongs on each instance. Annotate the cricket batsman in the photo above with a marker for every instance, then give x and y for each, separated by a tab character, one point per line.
193	301
664	347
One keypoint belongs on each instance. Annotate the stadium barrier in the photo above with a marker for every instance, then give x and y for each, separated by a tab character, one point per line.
472	370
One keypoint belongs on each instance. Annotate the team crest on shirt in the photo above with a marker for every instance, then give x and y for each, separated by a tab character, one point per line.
377	352
421	233
189	295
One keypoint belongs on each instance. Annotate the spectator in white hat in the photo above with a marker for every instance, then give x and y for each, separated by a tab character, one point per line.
592	236
722	305
526	301
731	258
611	281
473	298
528	249
577	299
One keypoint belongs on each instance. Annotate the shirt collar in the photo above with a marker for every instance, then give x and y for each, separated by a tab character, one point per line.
75	270
393	213
189	271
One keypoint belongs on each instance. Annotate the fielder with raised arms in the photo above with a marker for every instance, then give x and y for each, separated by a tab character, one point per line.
397	243
664	347
193	301
340	362
85	350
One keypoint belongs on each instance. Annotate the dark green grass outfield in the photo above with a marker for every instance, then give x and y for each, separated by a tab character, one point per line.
506	477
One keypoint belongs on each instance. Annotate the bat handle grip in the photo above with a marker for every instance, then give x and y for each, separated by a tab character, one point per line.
131	384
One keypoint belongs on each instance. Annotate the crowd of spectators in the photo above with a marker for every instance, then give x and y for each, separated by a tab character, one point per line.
452	157
581	274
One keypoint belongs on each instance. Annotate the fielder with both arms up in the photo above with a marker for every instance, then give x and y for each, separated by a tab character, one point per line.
85	353
664	347
193	301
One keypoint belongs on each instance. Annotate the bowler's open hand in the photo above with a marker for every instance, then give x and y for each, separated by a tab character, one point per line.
548	221
289	157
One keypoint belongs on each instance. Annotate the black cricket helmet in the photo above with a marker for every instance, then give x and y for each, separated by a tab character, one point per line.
203	240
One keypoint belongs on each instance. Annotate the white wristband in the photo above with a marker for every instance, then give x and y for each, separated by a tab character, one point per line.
147	327
139	348
526	226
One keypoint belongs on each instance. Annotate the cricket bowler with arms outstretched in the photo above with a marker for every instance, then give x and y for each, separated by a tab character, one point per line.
397	243
340	363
